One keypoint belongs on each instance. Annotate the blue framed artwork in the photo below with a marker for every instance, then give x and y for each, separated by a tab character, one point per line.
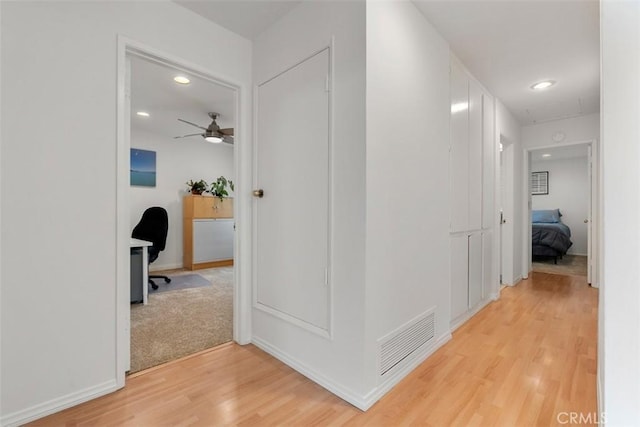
143	168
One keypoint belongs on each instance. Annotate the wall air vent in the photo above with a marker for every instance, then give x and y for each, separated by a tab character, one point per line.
398	345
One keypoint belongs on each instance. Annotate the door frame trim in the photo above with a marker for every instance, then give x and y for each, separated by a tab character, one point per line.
127	47
593	208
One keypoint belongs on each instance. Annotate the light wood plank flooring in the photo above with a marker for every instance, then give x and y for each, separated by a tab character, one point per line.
521	361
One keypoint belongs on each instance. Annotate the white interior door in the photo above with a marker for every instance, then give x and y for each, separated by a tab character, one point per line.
292	217
459	155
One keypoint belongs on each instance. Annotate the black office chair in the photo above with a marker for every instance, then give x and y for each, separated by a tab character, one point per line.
153	227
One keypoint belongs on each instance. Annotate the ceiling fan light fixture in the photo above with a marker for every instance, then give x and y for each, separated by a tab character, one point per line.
213	139
143	114
543	84
181	80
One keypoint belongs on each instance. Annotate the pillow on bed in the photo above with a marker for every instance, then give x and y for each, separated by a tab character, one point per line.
552	215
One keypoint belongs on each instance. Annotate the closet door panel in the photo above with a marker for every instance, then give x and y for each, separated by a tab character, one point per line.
459	155
459	275
475	155
475	269
487	263
488	163
292	220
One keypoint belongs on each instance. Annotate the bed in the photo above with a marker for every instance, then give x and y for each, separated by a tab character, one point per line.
550	237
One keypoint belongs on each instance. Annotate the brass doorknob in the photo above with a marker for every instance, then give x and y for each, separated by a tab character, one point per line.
586	221
258	193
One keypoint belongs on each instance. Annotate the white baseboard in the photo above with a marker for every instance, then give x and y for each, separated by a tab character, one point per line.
408	366
361	402
342	392
516	280
56	405
464	317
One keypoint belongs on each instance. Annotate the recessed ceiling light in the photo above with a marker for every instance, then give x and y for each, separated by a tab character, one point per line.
182	80
546	155
143	113
543	85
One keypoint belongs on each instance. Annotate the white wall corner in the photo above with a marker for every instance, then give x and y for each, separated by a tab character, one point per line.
466	316
357	400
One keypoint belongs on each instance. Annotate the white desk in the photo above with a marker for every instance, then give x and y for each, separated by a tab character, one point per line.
137	243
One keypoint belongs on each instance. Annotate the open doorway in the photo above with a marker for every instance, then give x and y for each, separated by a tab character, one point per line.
560	201
195	310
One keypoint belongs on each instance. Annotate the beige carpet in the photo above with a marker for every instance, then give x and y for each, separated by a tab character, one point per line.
573	265
177	323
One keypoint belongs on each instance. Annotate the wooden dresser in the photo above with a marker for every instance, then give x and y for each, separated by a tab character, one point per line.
208	231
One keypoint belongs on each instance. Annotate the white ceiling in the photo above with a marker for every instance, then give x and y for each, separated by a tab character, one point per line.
507	44
154	91
510	45
245	17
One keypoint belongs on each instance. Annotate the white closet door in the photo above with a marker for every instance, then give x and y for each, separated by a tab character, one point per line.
459	275
488	164
475	155
459	156
475	269
487	263
292	167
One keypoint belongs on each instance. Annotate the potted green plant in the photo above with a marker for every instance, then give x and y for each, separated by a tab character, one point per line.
197	187
219	187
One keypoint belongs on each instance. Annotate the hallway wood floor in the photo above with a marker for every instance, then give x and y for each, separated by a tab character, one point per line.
521	361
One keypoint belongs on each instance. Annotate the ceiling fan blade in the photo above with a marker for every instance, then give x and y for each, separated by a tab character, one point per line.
227	139
227	131
192	124
191	134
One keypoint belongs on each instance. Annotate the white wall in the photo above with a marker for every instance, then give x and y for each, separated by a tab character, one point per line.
619	328
576	129
335	363
508	132
59	192
176	163
568	191
408	113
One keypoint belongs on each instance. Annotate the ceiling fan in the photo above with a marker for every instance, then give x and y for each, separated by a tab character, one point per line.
212	133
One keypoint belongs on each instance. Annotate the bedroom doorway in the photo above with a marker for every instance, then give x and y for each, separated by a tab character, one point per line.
560	206
239	152
192	309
